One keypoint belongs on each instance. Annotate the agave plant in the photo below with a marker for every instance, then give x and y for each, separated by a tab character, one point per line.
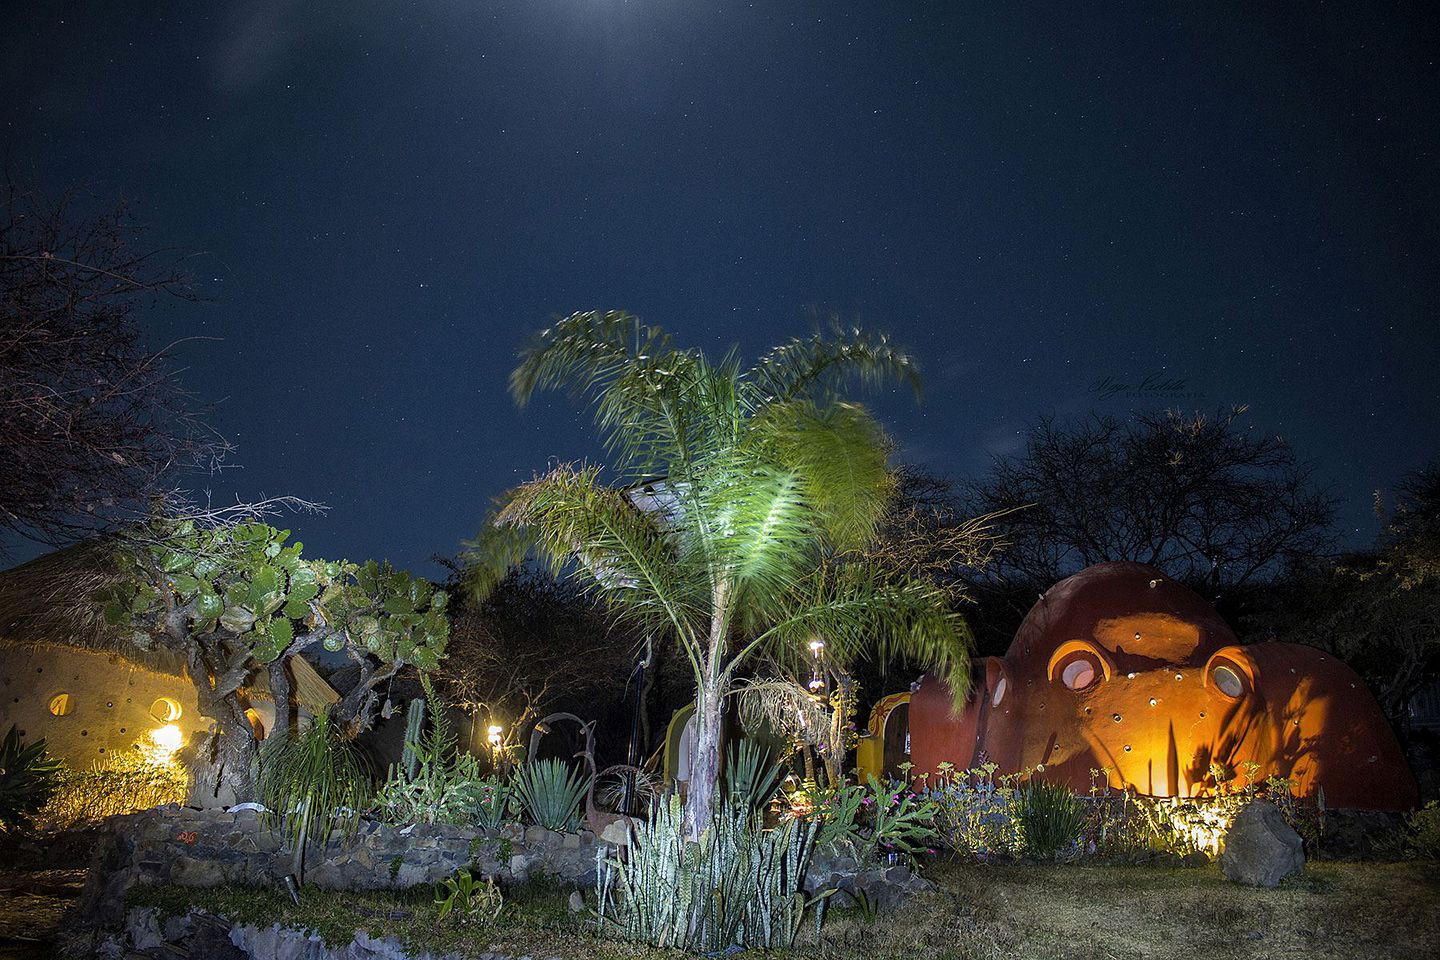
312	782
28	778
550	792
751	774
738	885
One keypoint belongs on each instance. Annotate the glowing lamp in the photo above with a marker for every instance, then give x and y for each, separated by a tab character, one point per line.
816	646
493	735
167	739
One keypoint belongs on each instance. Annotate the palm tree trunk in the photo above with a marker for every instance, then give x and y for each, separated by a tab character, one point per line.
705	762
710	689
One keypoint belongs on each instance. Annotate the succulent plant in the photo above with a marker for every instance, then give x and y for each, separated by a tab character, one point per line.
234	599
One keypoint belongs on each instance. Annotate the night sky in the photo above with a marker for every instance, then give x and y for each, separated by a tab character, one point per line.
1231	204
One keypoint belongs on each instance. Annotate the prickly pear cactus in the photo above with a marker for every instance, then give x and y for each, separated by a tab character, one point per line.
389	614
245	586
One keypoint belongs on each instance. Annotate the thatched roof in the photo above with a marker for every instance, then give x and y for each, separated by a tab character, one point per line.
53	599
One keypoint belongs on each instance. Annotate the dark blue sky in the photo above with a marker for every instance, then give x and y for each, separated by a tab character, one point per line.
1034	198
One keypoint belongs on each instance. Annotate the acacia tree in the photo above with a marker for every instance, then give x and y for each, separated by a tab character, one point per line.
233	600
770	481
91	420
1205	498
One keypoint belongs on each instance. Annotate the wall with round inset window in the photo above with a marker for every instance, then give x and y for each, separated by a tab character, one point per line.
61	704
166	709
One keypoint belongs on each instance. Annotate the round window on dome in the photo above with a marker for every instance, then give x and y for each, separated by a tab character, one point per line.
1080	673
165	709
999	692
1228	680
61	704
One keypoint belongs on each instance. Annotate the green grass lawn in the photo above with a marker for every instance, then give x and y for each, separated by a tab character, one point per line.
1345	911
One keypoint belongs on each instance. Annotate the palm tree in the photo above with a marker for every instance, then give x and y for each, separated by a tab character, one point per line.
769	485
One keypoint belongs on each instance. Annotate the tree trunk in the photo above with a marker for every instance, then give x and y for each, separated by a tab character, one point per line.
221	772
705	762
709	717
280	695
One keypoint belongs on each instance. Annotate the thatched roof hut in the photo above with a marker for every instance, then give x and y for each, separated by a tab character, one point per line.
52	600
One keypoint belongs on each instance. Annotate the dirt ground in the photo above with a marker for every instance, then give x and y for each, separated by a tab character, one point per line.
1336	911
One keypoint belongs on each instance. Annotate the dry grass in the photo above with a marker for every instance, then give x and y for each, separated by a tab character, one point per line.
1337	911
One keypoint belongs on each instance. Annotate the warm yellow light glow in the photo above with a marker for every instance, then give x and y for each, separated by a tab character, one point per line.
167	739
165	709
816	646
495	735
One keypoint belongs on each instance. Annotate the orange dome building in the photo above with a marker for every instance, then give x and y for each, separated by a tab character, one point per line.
1119	668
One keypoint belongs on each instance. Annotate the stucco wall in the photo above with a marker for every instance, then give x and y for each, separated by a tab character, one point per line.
110	700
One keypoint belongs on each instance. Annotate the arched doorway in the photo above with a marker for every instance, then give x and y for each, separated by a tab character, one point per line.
886	744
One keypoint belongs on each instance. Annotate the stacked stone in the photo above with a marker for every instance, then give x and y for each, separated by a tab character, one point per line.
209	848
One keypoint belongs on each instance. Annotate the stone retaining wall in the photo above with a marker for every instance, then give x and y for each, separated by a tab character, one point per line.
208	848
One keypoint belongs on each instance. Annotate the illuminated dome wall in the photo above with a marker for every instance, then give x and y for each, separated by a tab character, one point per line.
1119	667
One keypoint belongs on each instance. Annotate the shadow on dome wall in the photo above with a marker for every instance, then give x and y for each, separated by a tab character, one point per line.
1119	668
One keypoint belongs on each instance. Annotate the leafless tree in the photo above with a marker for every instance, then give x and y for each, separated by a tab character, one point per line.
1209	499
93	423
534	645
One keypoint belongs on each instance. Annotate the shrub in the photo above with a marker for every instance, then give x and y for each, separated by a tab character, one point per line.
740	884
879	817
976	815
131	780
469	900
838	814
1051	819
312	782
28	778
550	793
1424	839
900	822
435	782
751	774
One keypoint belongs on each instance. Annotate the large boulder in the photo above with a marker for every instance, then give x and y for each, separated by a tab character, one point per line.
1261	849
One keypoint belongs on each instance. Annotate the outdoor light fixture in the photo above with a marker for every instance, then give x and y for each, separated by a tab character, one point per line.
816	646
494	736
167	739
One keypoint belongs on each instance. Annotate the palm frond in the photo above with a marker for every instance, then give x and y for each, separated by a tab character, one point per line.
496	550
862	611
584	351
818	366
622	553
838	452
780	707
